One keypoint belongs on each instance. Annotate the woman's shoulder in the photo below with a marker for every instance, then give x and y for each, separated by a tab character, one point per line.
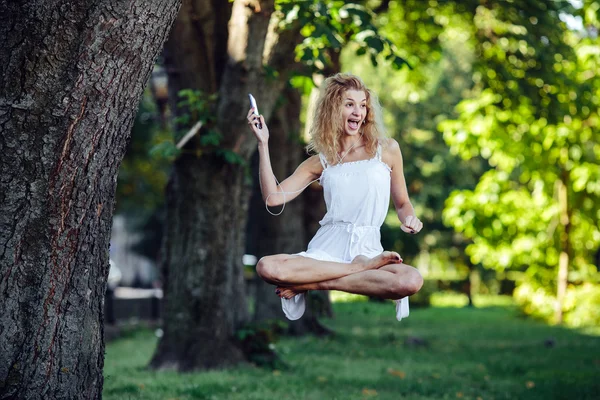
391	154
313	164
389	145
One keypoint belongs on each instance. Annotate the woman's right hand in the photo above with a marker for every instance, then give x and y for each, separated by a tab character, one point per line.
262	133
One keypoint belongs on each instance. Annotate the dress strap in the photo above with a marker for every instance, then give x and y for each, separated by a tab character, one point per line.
323	161
379	151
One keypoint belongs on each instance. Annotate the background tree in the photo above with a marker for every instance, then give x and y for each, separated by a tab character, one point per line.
435	42
467	50
72	75
532	114
222	50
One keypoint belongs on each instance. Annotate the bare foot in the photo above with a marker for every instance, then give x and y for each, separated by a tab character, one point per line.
385	258
287	293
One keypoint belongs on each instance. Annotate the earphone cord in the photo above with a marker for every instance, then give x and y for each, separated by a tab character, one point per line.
298	191
284	193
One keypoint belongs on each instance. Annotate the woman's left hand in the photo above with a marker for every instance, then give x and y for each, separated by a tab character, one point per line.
412	225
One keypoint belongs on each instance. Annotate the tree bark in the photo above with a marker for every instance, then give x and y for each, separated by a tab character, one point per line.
71	77
203	305
217	47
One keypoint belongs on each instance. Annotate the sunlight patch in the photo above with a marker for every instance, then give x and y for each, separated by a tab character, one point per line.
343	297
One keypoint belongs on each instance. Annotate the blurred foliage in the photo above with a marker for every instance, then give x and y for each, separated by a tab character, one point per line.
423	297
193	106
142	179
515	92
435	41
197	106
533	115
328	27
581	303
331	25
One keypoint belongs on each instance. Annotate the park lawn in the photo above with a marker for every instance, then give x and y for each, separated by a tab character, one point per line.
486	352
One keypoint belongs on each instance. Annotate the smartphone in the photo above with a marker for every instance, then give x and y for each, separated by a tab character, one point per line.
253	105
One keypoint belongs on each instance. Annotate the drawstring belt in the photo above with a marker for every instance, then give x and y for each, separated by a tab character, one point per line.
357	232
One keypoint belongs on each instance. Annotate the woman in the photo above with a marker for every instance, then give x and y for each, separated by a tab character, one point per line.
358	169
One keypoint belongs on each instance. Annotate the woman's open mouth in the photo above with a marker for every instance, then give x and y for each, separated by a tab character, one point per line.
354	124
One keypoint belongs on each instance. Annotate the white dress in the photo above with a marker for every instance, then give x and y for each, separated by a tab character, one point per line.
357	196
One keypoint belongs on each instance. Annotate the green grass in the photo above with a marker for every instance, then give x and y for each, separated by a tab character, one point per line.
469	353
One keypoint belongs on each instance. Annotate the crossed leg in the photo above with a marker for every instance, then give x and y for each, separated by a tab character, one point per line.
382	276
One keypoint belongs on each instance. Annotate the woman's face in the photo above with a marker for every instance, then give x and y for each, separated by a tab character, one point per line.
354	111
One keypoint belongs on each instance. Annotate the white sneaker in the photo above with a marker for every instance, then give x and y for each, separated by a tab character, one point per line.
294	308
401	308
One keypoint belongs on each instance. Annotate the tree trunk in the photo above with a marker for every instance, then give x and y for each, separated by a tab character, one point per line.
203	306
71	77
217	47
562	279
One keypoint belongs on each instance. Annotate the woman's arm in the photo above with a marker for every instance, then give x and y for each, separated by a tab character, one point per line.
406	213
306	172
272	194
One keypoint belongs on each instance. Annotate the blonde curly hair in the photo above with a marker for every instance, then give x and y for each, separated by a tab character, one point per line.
327	128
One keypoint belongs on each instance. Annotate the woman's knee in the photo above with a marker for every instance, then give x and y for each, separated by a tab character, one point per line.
263	267
267	268
414	281
408	282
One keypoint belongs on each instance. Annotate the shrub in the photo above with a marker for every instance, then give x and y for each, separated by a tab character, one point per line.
581	307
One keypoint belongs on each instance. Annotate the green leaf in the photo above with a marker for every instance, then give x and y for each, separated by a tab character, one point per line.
363	35
304	83
182	119
374	43
363	16
231	157
164	150
271	74
374	60
211	138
